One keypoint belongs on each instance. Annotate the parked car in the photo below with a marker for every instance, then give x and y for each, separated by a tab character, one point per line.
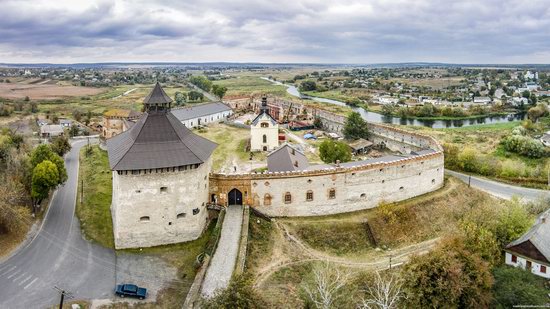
130	290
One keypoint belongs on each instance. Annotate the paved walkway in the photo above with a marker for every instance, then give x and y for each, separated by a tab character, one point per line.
223	262
499	189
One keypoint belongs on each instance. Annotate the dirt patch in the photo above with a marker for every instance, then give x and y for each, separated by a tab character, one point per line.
44	91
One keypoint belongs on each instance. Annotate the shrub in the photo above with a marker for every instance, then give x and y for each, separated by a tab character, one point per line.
468	160
523	145
515	286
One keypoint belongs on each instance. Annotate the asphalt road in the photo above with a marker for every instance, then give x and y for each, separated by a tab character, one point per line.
58	256
500	189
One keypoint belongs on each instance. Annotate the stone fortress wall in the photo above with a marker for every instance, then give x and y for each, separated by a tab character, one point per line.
159	206
341	189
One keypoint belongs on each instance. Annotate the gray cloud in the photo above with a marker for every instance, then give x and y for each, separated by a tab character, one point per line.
489	31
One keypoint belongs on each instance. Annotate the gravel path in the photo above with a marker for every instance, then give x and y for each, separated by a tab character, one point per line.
223	262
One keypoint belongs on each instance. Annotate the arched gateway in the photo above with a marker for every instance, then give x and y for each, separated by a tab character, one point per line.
235	197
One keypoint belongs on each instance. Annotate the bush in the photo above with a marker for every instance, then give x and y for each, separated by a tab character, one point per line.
468	160
331	151
523	145
515	286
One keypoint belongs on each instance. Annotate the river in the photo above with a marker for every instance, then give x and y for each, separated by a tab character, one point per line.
379	118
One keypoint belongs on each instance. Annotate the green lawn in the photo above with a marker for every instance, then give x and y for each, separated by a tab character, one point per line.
94	201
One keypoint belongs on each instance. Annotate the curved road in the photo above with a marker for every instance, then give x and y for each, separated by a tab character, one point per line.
501	190
58	256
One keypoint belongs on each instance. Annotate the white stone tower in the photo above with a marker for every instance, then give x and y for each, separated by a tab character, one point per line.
264	130
160	178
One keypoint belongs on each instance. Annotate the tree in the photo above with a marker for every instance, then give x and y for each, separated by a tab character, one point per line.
308	85
239	294
388	109
195	96
480	240
467	160
324	289
384	293
512	222
44	152
202	82
331	151
219	91
179	98
74	130
355	127
60	145
44	178
77	115
318	123
449	277
515	286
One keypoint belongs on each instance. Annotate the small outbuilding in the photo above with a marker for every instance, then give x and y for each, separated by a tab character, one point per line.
51	130
360	146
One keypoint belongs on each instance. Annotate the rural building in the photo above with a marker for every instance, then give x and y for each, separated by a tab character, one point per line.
116	121
51	130
66	123
286	158
264	130
360	146
199	115
160	178
482	100
532	250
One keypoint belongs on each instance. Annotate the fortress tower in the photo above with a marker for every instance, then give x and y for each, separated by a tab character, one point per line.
160	178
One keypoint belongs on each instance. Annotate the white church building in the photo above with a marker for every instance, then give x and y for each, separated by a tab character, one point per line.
160	178
264	130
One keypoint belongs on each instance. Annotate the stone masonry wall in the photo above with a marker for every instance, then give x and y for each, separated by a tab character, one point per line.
168	199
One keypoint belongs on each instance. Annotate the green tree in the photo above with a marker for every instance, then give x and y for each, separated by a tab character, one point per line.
388	109
179	97
60	145
331	151
355	127
195	96
219	91
74	130
468	160
308	85
480	240
44	178
202	82
239	294
448	277
515	286
44	152
511	223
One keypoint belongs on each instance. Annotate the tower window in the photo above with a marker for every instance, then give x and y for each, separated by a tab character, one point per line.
196	211
163	189
181	215
264	125
309	195
332	193
264	138
288	198
145	219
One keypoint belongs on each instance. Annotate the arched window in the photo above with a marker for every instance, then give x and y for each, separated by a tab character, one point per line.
145	219
267	199
332	193
264	125
265	138
181	215
309	195
288	198
363	195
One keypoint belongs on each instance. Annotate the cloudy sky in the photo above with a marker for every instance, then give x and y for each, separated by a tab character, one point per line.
315	31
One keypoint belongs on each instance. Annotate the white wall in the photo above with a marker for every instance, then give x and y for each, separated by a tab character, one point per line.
355	190
136	196
257	133
522	262
213	118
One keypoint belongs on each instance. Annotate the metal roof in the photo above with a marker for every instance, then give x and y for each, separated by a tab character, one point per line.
157	96
196	111
286	158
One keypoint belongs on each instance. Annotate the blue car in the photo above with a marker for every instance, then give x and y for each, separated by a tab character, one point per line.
130	290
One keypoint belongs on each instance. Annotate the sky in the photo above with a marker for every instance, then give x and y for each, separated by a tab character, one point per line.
280	31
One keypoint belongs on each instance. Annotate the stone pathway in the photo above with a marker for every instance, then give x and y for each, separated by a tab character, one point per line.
223	262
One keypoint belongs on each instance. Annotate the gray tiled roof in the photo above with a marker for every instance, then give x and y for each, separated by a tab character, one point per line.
157	96
201	110
538	236
157	140
286	158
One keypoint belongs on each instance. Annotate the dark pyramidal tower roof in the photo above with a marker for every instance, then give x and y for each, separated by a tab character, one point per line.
157	140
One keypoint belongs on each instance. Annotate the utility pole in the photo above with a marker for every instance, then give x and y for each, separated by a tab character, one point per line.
63	294
469	180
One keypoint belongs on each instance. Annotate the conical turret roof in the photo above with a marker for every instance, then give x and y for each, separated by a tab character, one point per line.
157	96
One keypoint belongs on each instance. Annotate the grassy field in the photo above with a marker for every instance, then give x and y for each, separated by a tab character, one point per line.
251	85
93	206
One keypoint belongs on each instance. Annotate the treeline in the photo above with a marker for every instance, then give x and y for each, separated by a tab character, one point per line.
25	106
430	110
205	84
27	176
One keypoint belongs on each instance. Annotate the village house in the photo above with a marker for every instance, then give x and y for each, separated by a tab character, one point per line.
193	116
482	100
264	130
51	130
532	250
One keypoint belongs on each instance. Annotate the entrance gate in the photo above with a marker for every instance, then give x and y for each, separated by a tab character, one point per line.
235	197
